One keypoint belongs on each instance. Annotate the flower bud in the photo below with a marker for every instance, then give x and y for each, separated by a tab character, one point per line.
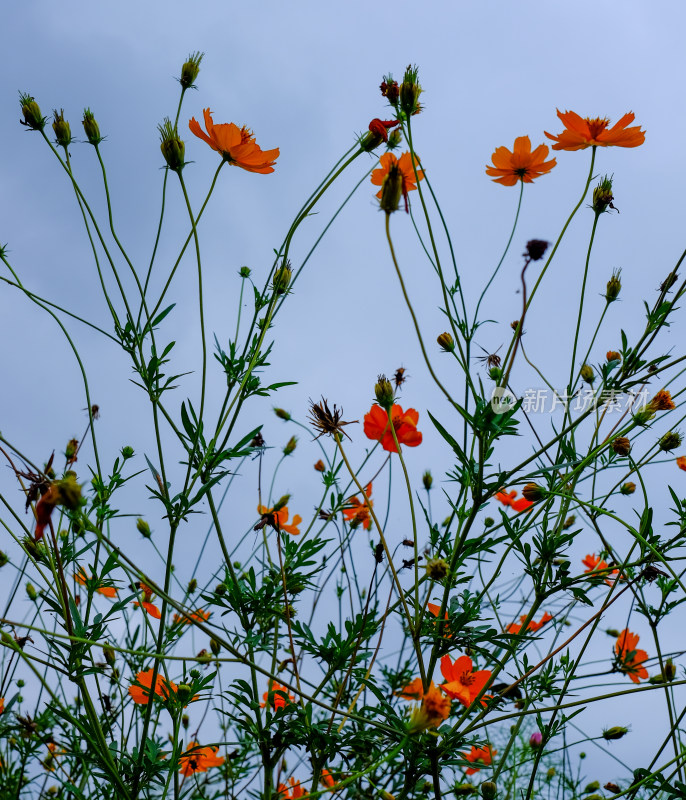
183	693
90	126
621	445
395	139
536	740
61	128
391	189
550	774
185	721
569	522
215	646
409	91
389	89
68	491
489	790
143	528
488	522
192	586
31	110
127	452
464	789
172	146
612	787
244	272
108	654
614	286
616	732
31	592
71	449
427	480
628	488
4	558
291	444
602	196
446	342
669	670
587	373
320	466
220	589
613	355
383	390
670	441
592	787
190	70
437	569
281	414
533	492
281	502
282	278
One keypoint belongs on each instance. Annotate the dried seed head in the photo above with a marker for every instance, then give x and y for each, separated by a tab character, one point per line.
326	421
621	445
535	249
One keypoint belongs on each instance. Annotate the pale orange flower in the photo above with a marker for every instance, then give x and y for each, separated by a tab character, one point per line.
291	790
463	682
522	164
662	401
141	693
630	659
107	591
145	603
479	755
516	627
413	691
199	759
236	145
401	166
358	511
280	519
508	499
583	132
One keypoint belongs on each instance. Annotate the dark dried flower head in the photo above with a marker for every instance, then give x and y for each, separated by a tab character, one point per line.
324	420
390	89
651	573
535	249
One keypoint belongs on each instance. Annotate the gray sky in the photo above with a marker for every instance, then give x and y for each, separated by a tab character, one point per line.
304	76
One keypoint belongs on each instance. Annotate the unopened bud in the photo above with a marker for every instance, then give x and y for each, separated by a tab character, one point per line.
291	444
215	646
244	272
569	522
172	145
621	446
395	139
612	787
669	670
90	126
185	721
4	559
108	654
489	790
281	414
143	528
31	592
320	466
33	119
670	441
437	569
446	342
68	491
616	732
613	355
592	787
383	390
409	91
282	278
183	693
488	522
127	452
614	286
190	70
192	586
587	373
427	480
71	449
281	502
61	128
464	789
391	189
533	492
628	488
602	196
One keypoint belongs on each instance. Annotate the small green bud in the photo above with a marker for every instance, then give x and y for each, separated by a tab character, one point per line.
108	653
628	488
281	414
614	286
61	128
592	787
33	119
437	569
489	790
409	91
602	196
20	683
195	674
427	480
127	452
488	522
215	646
616	732
395	139
281	502
91	128
192	585
172	146
291	444
185	721
464	789
282	278
587	373
220	589
670	441
190	70
244	272
383	390
4	558
533	492
31	592
143	528
391	189
446	342
183	693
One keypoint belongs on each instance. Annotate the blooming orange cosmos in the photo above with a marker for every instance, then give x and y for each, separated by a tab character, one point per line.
593	563
522	164
582	132
662	401
107	591
145	603
516	627
463	683
403	165
237	145
508	499
280	519
2	704
434	708
630	659
479	755
141	693
327	779
376	426
198	616
358	511
199	759
275	696
681	462
291	791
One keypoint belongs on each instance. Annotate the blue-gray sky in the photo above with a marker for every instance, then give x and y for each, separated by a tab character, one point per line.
304	76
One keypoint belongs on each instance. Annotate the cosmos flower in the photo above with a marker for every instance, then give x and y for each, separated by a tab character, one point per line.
275	696
376	426
141	693
583	132
522	164
357	512
516	627
479	755
398	170
199	759
107	591
630	659
508	499
463	683
280	519
236	145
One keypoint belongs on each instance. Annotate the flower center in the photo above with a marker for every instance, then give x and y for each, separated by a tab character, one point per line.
467	678
597	126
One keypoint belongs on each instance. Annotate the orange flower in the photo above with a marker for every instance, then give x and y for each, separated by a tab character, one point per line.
508	499
199	759
292	792
275	696
145	603
521	164
593	563
630	659
662	401
436	610
327	779
141	693
197	616
376	426
402	167
681	462
582	132
381	127
237	145
2	704
516	627
280	519
107	591
479	755
358	512
463	683
434	707
413	691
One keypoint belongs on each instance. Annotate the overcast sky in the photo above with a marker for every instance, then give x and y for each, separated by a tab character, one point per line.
304	76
